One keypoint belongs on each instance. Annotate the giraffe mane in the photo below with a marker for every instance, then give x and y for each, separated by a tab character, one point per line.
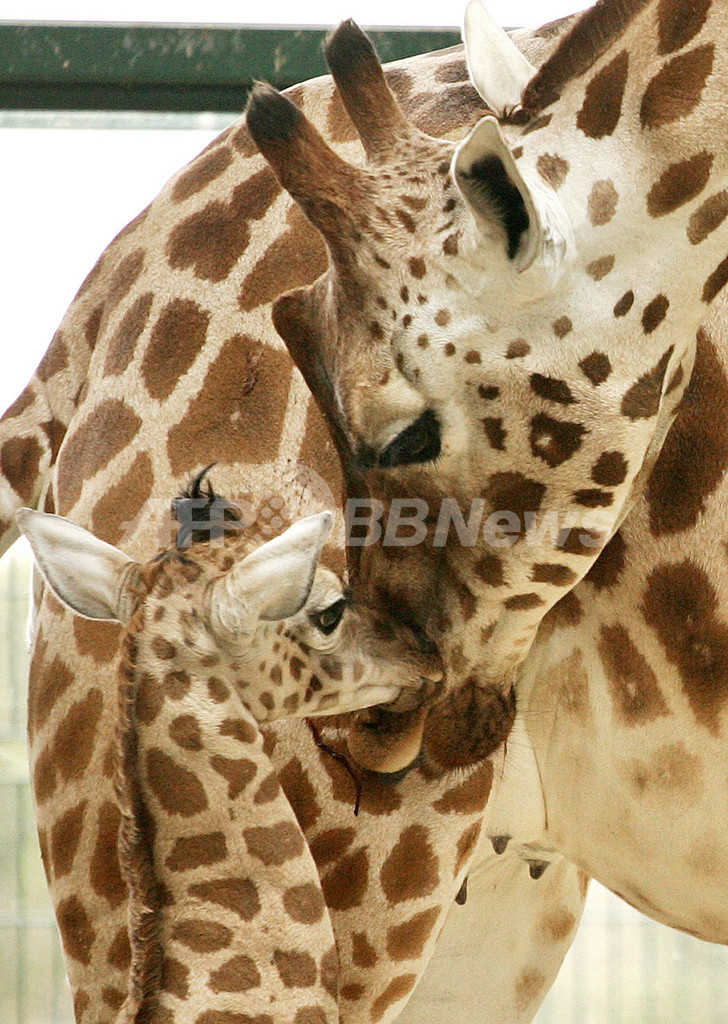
590	36
135	843
200	505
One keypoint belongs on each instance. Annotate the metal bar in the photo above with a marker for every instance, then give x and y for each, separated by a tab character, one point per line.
158	67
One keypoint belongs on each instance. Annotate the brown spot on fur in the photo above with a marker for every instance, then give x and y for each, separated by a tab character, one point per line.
555	441
296	969
517	349
331	844
602	203
562	327
295	258
345	884
681	605
90	447
186	732
123	342
177	789
489	570
119	507
676	89
553	169
238	772
189	852
396	990
514	492
411	868
610	469
406	941
602	107
239	974
77	933
119	955
642	399
304	903
20	459
694	456
75	738
678	23
556	575
175	977
552	389
715	281
212	240
104	873
65	837
596	367
417	267
566	612
557	925
529	985
654	313
237	894
681	182
623	305
633	685
469	796
670	771
237	415
493	425
465	846
201	936
568	682
593	497
300	792
200	173
274	844
608	568
176	340
523	602
708	216
598	269
123	278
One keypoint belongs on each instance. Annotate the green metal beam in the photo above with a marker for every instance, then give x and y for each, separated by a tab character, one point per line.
154	67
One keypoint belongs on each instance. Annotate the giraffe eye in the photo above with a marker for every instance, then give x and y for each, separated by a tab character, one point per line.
327	620
420	442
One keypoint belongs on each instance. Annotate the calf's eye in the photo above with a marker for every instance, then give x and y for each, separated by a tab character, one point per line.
327	620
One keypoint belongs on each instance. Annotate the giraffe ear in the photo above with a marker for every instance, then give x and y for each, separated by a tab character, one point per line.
533	220
271	583
85	573
498	70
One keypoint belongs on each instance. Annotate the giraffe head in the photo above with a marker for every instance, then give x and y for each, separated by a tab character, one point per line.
271	620
503	334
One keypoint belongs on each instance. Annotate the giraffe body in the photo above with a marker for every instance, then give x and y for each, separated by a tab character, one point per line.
540	341
114	421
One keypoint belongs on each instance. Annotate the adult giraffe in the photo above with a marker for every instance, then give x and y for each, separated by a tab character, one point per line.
166	359
531	345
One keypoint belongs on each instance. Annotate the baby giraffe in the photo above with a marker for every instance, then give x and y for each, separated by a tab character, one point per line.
227	920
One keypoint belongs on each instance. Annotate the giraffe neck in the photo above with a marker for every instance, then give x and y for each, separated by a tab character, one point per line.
225	910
